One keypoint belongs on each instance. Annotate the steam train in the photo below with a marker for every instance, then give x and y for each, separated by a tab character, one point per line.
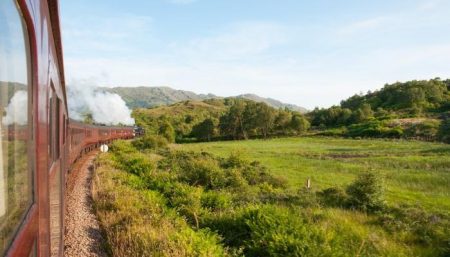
39	142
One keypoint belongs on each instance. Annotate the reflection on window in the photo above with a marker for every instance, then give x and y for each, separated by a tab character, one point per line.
15	174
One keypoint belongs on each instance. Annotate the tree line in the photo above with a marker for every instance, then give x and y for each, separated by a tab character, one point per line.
248	119
413	109
372	114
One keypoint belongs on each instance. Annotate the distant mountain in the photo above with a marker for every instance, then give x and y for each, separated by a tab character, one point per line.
145	97
273	102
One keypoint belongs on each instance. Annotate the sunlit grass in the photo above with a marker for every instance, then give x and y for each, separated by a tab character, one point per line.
415	172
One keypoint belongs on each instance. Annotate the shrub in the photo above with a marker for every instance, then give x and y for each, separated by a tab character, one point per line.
366	192
425	130
138	164
216	200
444	131
234	160
203	172
333	196
198	243
256	174
150	142
275	232
187	200
374	128
423	228
166	130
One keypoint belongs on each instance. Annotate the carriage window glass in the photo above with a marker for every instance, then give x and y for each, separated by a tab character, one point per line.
16	193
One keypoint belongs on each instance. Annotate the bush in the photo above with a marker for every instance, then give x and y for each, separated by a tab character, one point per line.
444	131
187	201
424	228
166	130
366	192
203	172
150	142
216	200
275	232
234	161
374	128
256	174
425	130
333	196
137	164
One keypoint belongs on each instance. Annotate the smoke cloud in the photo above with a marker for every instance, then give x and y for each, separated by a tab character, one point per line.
85	98
16	111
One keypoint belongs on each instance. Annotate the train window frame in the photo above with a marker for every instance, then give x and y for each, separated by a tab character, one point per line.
30	172
54	126
57	127
51	100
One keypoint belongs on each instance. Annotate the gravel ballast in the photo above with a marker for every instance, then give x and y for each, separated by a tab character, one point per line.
83	236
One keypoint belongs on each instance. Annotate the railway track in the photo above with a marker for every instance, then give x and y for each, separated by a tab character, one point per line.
82	235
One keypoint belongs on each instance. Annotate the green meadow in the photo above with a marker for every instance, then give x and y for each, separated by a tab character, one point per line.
248	198
414	172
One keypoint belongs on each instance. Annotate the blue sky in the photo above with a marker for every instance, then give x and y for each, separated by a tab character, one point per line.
310	53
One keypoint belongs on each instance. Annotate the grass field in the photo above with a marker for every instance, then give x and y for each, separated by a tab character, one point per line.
247	198
416	173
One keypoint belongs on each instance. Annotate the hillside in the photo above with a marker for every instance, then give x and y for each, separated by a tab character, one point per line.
182	115
226	118
145	97
412	109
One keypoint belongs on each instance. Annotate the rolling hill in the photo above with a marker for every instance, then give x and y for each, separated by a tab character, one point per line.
145	97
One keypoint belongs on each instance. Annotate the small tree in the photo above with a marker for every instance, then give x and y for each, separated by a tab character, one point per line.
299	124
204	130
366	192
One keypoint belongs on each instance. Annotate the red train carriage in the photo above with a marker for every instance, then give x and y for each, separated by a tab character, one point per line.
38	142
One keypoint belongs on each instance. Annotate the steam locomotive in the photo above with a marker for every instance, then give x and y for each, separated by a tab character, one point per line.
39	142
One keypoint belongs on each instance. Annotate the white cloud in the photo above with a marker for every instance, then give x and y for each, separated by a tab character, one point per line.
237	41
104	34
365	25
181	1
428	5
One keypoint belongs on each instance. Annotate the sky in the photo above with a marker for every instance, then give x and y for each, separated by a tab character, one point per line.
309	53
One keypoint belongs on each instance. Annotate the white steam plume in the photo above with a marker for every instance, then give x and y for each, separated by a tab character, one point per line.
106	108
16	111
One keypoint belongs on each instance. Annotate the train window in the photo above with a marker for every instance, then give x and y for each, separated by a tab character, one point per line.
50	126
16	179
64	130
56	131
54	126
